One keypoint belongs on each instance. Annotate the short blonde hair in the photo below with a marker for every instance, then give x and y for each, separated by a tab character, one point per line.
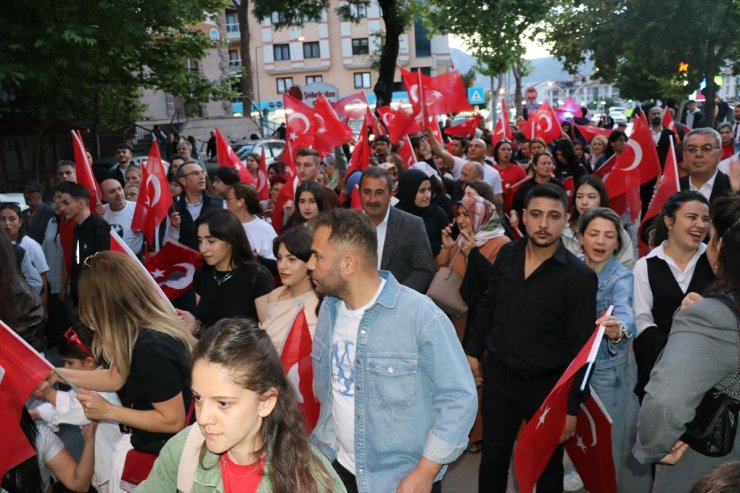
117	300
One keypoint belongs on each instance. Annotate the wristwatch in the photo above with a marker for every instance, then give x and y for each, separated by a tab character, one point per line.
621	335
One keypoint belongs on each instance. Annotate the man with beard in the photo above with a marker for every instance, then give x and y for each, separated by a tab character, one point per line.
397	398
119	213
536	314
662	138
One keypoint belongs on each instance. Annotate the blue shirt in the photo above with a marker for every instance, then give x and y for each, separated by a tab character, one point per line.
414	392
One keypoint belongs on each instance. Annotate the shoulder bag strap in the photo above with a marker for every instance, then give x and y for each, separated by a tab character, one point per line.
189	459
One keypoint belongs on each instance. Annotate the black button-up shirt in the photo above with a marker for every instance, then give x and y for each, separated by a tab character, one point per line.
536	324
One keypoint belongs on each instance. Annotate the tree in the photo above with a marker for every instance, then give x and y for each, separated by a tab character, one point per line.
494	31
642	45
85	61
397	16
245	84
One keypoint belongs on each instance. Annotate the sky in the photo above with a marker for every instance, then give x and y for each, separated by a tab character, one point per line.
534	49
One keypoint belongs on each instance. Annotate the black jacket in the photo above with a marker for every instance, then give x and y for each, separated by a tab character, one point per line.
188	233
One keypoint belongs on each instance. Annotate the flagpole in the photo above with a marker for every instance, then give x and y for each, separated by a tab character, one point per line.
595	349
421	100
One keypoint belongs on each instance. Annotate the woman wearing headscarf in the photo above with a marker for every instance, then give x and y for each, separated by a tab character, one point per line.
414	196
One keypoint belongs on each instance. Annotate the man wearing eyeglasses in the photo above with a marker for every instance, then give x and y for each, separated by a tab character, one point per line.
193	202
701	153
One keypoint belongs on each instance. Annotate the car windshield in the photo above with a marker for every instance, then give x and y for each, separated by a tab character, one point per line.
244	150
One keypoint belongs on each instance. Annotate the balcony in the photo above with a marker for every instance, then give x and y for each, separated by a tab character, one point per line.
232	32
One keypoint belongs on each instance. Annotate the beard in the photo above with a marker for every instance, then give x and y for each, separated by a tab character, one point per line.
656	121
333	285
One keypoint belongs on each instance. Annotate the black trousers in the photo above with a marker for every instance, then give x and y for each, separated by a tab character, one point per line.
350	482
507	401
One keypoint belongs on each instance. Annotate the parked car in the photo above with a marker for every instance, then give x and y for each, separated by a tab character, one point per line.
618	114
102	167
272	147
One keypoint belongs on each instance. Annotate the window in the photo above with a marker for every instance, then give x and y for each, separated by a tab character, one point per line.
281	52
232	22
310	79
283	84
362	80
360	46
277	17
358	11
234	62
421	38
311	50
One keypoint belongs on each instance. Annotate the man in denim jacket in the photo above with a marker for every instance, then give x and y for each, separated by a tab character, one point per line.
397	397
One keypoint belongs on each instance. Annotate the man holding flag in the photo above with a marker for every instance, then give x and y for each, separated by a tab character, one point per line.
536	314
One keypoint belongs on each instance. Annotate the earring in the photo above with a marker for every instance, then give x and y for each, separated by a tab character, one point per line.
715	265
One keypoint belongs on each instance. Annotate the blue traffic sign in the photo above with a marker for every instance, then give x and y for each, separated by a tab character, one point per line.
476	95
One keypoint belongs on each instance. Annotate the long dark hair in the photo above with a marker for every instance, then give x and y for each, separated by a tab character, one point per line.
726	223
9	276
297	241
318	193
247	353
224	225
26	476
671	206
592	181
17	209
613	137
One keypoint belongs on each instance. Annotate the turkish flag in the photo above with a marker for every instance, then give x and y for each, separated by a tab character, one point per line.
465	129
637	164
667	186
119	246
351	107
296	360
227	158
356	203
543	123
330	132
263	187
590	132
406	151
360	158
433	125
15	447
606	167
510	190
286	193
444	93
404	121
670	124
539	439
591	448
372	123
288	157
173	268
155	198
83	169
299	118
503	127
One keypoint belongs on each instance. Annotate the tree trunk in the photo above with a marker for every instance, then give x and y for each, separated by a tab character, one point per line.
389	54
246	83
516	70
710	91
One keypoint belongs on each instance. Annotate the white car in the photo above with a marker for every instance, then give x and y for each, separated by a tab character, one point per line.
617	113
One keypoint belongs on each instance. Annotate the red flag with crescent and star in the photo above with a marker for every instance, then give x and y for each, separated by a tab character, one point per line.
538	440
173	268
443	93
330	132
589	132
351	107
637	164
227	158
543	123
670	124
503	126
155	198
299	117
296	360
22	369
465	129
591	448
83	169
263	185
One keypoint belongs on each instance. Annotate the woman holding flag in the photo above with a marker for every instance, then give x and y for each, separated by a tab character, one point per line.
292	250
147	347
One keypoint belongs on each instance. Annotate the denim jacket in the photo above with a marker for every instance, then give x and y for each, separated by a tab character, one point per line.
615	288
414	392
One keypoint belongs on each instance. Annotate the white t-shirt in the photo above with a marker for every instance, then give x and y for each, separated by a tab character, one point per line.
260	235
343	346
120	222
48	445
380	231
36	253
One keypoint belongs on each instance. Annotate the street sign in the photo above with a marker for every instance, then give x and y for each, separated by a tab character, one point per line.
530	94
476	95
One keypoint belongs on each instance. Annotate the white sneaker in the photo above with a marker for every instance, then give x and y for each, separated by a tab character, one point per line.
572	482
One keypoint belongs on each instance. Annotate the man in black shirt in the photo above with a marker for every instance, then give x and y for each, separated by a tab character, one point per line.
538	311
92	233
193	202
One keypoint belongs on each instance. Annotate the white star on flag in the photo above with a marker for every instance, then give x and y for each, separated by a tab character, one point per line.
158	273
580	443
542	417
293	136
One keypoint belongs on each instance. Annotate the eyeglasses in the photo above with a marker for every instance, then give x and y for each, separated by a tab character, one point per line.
692	149
71	336
194	173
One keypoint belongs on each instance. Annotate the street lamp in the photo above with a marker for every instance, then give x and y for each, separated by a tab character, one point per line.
550	86
257	82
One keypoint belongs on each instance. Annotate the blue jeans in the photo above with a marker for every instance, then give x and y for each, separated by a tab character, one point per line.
612	386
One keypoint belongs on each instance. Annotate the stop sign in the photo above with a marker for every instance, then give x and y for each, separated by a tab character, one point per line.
530	94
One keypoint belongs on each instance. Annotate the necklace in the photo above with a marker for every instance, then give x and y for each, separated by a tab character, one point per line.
219	279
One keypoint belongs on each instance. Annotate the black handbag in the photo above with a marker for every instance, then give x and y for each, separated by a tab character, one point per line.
713	429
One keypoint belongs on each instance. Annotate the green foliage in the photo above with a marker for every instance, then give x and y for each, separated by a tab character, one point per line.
639	44
86	61
469	77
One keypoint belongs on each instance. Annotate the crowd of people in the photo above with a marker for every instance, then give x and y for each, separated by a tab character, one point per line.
404	382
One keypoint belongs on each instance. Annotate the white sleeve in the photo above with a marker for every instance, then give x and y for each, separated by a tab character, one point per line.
459	162
69	409
48	445
642	297
36	253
